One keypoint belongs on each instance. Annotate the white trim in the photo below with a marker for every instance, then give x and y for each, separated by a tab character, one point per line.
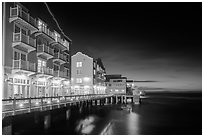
21	27
21	52
79	53
56	65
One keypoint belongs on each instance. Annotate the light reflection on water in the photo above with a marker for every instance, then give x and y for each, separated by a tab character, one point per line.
132	123
86	126
158	114
122	122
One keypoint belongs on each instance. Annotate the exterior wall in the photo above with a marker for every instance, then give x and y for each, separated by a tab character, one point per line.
85	73
114	87
99	77
21	83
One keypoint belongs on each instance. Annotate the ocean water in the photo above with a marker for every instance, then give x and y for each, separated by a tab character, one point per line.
159	114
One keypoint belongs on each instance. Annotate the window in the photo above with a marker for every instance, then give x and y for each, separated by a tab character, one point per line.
79	64
78	71
56	67
17	29
24	31
57	35
41	65
18	56
78	80
23	57
42	26
66	71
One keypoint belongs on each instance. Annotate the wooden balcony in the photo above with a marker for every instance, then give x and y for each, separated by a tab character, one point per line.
23	18
59	57
60	43
24	41
21	66
45	72
45	33
46	51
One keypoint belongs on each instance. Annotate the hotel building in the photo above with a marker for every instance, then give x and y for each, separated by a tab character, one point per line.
115	84
36	58
87	76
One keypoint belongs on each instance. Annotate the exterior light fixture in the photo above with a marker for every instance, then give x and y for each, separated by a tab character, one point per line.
86	86
21	104
86	79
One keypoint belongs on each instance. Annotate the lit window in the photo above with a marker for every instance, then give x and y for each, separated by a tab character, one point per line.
41	65
79	64
78	80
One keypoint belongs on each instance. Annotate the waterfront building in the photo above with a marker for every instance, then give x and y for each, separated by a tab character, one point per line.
132	89
115	84
36	57
99	77
87	76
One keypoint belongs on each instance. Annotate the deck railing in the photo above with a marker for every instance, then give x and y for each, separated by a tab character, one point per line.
20	37
24	65
17	104
18	12
45	70
46	31
46	49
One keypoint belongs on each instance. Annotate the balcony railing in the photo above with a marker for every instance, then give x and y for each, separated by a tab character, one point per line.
61	56
58	39
63	74
18	12
46	49
46	31
20	37
46	70
56	73
59	73
24	65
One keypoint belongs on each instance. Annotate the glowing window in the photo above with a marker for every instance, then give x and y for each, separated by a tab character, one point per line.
79	64
78	80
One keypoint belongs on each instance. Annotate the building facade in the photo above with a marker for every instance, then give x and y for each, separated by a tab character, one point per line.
99	77
115	84
87	76
36	58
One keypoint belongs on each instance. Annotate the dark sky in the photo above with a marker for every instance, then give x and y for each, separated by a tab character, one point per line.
157	42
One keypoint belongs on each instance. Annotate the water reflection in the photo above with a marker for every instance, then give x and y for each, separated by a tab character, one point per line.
86	126
133	123
108	130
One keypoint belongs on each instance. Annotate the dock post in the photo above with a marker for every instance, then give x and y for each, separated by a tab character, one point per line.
106	101
41	104
30	104
14	106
